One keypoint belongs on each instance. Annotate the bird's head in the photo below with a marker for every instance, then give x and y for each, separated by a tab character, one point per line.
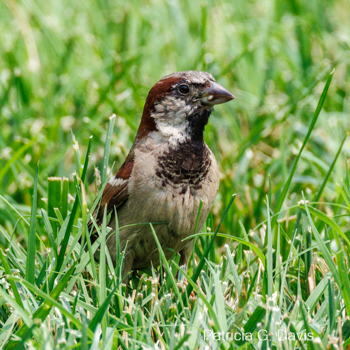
179	105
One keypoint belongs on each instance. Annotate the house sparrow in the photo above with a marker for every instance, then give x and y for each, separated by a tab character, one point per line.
167	173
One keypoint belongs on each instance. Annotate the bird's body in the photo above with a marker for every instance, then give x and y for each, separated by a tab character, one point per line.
167	174
161	198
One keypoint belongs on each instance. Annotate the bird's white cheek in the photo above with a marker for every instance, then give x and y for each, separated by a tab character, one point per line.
174	133
174	129
171	118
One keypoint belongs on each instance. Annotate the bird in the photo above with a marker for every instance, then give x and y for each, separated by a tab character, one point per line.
167	174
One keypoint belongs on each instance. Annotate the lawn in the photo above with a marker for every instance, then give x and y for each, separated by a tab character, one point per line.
277	273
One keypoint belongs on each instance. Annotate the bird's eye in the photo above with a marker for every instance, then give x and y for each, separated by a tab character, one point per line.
184	89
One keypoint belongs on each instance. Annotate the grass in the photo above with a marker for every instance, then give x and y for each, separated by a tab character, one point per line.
273	261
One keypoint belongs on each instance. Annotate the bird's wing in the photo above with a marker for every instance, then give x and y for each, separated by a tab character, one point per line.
115	193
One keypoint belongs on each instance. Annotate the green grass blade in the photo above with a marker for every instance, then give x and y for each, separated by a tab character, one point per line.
17	308
254	319
182	341
345	193
71	221
198	215
86	234
84	339
325	180
64	197
102	270
315	296
12	283
294	167
167	268
331	304
210	246
269	255
322	247
233	269
202	296
59	216
30	263
49	230
327	220
54	185
252	246
16	156
219	300
290	325
86	162
344	279
306	324
64	243
49	301
107	148
101	311
15	210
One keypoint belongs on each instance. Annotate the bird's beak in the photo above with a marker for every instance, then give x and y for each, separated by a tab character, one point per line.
215	94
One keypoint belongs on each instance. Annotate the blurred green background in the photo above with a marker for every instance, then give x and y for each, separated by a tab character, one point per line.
66	66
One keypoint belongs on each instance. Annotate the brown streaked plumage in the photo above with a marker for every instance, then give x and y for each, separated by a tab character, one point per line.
168	172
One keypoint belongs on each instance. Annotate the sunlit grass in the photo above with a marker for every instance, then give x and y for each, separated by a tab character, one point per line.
281	255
